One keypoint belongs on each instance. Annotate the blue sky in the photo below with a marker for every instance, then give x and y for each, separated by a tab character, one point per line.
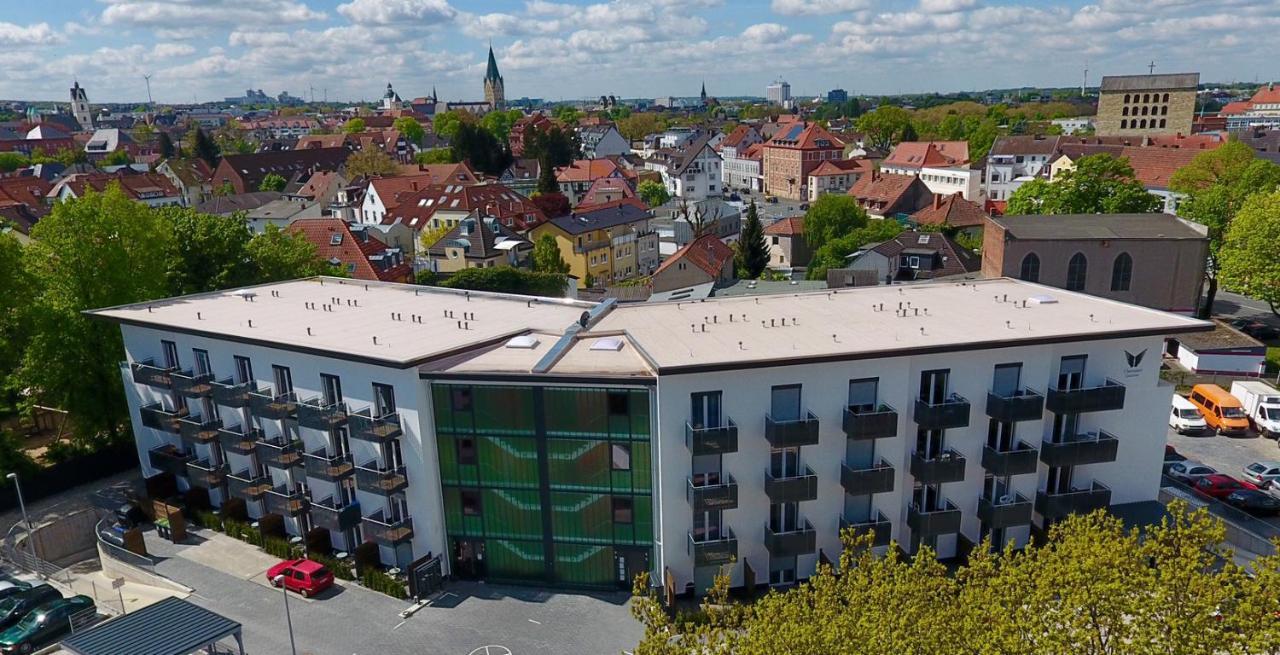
566	49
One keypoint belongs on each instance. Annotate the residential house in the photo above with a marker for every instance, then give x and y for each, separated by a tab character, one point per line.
244	173
787	247
576	178
384	194
1152	166
353	250
602	141
607	244
1016	160
522	176
28	191
478	241
1261	111
320	186
282	127
885	195
953	212
526	127
281	212
710	216
606	190
190	175
943	166
690	171
792	154
151	189
836	176
238	202
741	162
913	256
704	260
445	205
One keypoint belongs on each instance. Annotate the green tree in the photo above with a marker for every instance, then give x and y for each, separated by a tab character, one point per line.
15	304
751	252
555	145
410	128
547	177
505	279
371	161
636	126
1099	184
446	124
1250	256
435	156
203	147
210	252
165	145
546	256
12	161
832	216
499	122
481	149
883	125
833	253
353	126
654	193
567	114
981	138
277	255
272	182
117	158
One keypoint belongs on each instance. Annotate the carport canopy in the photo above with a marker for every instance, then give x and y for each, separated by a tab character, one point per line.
172	626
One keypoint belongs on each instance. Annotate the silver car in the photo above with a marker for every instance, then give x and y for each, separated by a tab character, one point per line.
1189	471
1263	474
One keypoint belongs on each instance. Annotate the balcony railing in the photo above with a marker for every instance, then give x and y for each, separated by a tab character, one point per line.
242	485
1021	405
950	413
198	430
862	480
1108	396
386	530
1077	501
285	501
791	433
714	552
202	473
157	417
149	373
314	413
713	497
280	452
1080	449
320	465
1020	459
170	459
377	429
880	528
232	394
192	385
791	488
717	440
801	541
334	517
935	522
947	466
877	423
234	439
1007	511
384	482
266	405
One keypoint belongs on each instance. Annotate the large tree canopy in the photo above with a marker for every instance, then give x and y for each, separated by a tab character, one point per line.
1099	184
1251	251
832	216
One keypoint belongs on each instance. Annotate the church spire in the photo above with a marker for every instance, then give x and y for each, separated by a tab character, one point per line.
492	72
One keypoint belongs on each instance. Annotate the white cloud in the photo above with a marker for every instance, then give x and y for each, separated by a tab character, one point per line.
946	6
172	50
765	32
206	13
35	34
818	7
391	12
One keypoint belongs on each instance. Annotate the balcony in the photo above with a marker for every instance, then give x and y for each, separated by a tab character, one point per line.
1078	450
859	481
330	515
366	427
1077	501
279	452
950	413
1103	398
386	530
285	501
265	405
247	488
192	385
932	523
877	423
713	497
232	394
384	482
315	414
1016	461
320	465
157	417
718	440
234	439
1007	511
714	552
880	528
202	473
1021	405
148	373
791	489
169	459
948	466
801	541
791	433
197	430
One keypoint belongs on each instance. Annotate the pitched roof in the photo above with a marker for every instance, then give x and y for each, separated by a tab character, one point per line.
1268	94
318	184
252	168
321	141
191	171
607	186
707	252
1099	227
353	249
586	170
934	154
237	202
956	260
491	199
790	226
482	236
601	218
1025	144
803	135
951	210
678	159
1236	107
26	190
1163	82
842	166
737	135
139	186
1154	166
883	188
460	173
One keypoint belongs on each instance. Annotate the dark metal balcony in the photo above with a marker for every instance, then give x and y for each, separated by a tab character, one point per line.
950	413
314	413
157	417
1021	405
1010	510
264	404
232	394
234	439
877	423
192	385
328	514
713	497
791	489
170	459
880	528
714	552
202	473
1108	396
320	465
285	501
1015	461
932	523
385	482
149	373
801	541
366	427
198	430
792	433
860	480
1078	450
388	531
712	441
241	485
1077	501
280	452
948	466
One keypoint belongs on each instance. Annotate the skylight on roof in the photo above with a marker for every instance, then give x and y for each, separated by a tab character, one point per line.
608	343
1042	299
524	341
922	239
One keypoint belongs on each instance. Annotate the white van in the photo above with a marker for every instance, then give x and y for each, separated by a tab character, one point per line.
1185	418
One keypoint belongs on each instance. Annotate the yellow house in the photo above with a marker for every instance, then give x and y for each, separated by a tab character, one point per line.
610	242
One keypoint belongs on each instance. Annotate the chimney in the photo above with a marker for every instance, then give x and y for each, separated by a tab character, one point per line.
937	201
413	185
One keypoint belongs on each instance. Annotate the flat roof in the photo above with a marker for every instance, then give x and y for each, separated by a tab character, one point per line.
172	626
1077	227
1220	337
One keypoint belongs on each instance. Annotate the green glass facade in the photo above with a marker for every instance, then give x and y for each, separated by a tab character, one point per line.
547	484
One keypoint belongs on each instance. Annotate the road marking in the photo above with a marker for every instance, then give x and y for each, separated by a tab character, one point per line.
535	622
398	625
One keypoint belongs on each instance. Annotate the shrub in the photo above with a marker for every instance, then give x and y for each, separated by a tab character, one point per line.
234	508
381	582
318	541
277	548
366	556
272	525
506	279
341	569
197	500
208	519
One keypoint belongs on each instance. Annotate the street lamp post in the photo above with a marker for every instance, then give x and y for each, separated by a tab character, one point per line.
279	579
25	519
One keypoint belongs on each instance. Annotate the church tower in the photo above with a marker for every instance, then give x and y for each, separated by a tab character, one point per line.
80	107
493	92
704	94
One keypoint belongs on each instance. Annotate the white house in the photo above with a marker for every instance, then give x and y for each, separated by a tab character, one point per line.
1016	160
600	141
943	166
691	171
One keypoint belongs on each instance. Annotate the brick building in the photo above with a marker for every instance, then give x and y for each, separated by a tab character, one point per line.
1132	105
792	154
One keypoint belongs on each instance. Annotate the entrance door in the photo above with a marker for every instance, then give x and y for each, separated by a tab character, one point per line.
1007	379
705	411
630	562
468	559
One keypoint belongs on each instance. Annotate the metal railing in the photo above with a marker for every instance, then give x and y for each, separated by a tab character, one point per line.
125	555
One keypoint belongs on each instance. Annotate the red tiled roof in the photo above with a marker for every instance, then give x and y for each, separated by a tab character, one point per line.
442	173
1154	166
1237	107
707	252
334	241
492	199
586	170
936	154
393	190
951	210
790	226
26	190
736	136
842	166
1268	94
139	186
321	141
607	186
1188	141
882	188
806	136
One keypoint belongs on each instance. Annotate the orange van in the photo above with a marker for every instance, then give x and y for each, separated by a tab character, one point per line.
1221	410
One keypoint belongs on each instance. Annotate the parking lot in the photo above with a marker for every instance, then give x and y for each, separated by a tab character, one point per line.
1228	455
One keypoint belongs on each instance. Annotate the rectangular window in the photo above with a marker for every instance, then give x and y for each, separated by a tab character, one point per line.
470	502
785	403
331	388
623	510
460	399
202	361
283	379
619	403
384	399
620	457
705	412
170	353
244	369
864	394
466	451
1007	379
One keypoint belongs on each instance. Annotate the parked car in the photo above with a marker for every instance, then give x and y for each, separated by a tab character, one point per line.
1221	410
8	588
301	575
1261	403
1256	329
1254	501
1171	455
1262	474
1184	418
1220	486
804	206
16	606
43	625
1189	471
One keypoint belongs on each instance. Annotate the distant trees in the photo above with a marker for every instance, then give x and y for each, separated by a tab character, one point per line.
834	253
272	182
12	161
203	147
499	122
883	126
1099	184
832	216
567	114
371	161
446	124
655	194
751	252
555	145
547	179
435	156
165	145
354	126
474	144
637	125
410	128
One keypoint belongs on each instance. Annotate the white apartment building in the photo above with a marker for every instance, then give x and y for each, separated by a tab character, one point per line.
1016	160
568	443
778	93
690	171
